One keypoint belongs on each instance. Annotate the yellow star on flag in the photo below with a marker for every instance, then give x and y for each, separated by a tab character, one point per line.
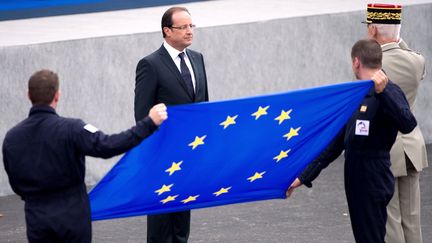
169	199
256	176
230	120
283	116
190	199
163	189
174	167
222	191
261	111
198	141
282	154
292	133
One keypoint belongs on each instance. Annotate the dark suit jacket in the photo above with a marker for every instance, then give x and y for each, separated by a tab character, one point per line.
158	80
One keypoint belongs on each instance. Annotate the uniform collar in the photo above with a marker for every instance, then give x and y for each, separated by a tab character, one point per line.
389	46
42	108
371	92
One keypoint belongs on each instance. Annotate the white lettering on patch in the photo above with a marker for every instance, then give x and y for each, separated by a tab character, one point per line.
91	128
362	128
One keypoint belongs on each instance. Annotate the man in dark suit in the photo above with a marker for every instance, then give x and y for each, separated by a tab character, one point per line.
172	75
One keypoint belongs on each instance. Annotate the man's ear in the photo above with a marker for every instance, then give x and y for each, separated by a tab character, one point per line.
373	31
166	30
57	96
56	99
356	62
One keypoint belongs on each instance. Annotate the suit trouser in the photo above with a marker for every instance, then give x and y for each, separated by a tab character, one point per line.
168	228
63	217
403	223
369	186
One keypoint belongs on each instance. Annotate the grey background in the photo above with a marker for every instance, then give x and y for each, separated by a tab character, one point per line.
97	74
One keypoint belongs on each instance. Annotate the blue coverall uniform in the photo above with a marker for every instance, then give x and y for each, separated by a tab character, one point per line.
367	139
44	157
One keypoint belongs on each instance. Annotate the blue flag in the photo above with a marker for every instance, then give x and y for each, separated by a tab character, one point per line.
225	152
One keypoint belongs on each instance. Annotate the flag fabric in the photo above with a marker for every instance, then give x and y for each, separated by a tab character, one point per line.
216	153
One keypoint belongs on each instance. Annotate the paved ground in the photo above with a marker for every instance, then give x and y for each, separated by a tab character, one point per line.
311	215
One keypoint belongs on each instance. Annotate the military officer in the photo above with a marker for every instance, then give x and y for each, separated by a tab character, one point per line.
405	68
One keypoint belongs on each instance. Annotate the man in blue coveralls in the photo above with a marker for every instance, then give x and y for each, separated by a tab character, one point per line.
367	139
44	157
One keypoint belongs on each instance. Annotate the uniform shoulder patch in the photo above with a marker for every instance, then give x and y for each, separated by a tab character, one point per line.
91	128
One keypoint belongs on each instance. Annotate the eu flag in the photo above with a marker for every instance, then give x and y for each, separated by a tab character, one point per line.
225	152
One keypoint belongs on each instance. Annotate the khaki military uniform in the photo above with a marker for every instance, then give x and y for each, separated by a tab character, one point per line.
406	68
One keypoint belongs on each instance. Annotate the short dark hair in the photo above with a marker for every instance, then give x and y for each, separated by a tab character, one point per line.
42	87
369	52
167	17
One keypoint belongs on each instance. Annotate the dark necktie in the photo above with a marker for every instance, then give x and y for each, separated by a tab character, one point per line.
185	72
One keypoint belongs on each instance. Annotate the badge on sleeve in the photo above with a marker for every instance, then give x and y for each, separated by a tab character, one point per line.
362	128
91	128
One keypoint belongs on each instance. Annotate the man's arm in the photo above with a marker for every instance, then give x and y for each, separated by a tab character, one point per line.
397	107
394	102
206	98
404	45
145	89
90	141
313	170
16	189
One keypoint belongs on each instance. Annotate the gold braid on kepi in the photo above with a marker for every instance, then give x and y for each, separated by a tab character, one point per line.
383	13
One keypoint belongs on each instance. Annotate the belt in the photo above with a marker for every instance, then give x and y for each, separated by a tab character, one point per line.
58	192
367	153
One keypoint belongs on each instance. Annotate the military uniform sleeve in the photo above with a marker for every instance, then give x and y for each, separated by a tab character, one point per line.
93	142
145	89
403	45
396	106
328	155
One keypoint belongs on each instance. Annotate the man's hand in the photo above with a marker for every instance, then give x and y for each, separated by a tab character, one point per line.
158	114
380	79
296	183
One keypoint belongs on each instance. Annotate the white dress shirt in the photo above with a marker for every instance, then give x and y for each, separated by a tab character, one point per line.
174	53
